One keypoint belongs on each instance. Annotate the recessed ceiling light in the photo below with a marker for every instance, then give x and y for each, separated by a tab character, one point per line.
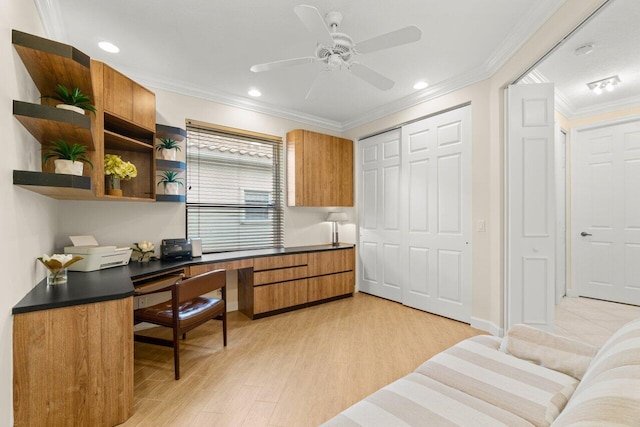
420	85
254	92
109	47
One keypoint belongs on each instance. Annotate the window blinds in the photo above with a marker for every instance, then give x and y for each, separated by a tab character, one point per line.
234	189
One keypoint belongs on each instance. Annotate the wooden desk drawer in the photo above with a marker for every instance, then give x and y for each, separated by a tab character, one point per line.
279	275
194	270
279	295
332	285
331	261
279	261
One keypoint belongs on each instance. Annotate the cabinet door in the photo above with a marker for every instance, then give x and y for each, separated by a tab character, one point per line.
330	286
118	94
331	261
280	295
144	107
328	170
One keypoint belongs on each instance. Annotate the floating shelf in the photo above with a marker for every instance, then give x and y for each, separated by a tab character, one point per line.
107	197
170	165
164	131
49	124
57	186
115	141
121	126
170	198
50	62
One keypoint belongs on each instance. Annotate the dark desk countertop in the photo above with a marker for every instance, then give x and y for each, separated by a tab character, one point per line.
117	282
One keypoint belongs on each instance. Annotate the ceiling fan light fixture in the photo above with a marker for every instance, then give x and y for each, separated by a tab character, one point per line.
108	47
254	92
420	85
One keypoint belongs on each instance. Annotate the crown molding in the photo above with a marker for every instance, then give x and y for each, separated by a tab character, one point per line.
524	29
428	94
606	107
233	101
50	16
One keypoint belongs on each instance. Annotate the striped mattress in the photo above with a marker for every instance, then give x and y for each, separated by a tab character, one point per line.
475	384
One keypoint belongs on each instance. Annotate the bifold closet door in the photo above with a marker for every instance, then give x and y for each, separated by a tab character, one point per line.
380	260
436	169
415	214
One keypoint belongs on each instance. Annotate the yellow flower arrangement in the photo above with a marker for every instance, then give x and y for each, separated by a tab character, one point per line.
118	168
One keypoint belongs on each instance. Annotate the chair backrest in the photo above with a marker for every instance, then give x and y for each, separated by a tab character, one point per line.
188	289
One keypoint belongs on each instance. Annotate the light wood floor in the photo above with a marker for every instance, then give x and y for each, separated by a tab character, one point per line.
293	369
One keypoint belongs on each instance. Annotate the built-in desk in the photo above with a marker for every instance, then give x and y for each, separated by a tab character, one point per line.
73	343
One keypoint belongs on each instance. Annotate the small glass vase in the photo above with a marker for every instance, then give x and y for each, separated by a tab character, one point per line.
114	186
56	277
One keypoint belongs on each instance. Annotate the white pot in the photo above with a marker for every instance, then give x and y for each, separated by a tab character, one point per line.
68	167
168	154
71	108
171	188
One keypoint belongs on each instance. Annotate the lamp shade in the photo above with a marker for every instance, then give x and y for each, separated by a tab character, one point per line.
337	217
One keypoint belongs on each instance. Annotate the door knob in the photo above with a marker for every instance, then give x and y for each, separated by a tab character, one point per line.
585	234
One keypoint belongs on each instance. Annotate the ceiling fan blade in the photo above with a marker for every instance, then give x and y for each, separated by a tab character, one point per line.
321	77
392	39
312	19
371	77
283	64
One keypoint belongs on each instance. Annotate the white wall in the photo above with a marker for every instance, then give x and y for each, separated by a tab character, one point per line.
28	219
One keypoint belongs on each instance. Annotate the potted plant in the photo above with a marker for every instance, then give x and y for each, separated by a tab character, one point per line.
69	158
171	181
73	100
116	170
168	148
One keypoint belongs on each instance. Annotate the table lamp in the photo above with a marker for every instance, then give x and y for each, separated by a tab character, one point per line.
335	218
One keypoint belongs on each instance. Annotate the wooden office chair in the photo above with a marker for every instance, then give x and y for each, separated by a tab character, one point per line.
187	309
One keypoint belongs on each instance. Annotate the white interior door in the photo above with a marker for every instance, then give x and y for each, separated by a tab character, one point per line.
530	201
606	212
380	234
436	178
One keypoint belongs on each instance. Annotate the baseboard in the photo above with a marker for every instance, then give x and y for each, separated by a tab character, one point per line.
485	325
572	293
232	306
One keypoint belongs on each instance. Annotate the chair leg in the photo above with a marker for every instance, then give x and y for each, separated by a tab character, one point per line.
176	354
184	336
224	327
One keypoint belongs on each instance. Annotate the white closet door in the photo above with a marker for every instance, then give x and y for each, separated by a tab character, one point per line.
531	206
380	245
436	179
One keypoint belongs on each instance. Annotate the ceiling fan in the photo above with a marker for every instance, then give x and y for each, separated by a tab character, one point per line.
337	50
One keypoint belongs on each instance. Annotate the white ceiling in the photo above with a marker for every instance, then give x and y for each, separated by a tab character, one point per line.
616	35
206	47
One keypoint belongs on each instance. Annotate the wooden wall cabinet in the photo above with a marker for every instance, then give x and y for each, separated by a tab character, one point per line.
128	100
319	169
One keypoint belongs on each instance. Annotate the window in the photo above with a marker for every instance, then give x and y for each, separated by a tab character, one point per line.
234	188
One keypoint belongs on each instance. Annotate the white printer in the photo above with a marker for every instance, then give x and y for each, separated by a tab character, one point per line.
96	257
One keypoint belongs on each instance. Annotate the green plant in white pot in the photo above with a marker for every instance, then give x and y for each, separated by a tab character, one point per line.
70	159
168	148
73	100
170	181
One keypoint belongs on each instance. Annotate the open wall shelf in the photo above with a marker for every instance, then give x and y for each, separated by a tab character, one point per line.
57	186
50	63
165	131
170	198
49	124
170	165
